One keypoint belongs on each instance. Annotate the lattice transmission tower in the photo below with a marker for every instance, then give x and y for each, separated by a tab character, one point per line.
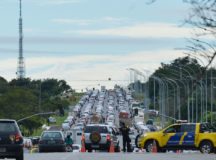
21	63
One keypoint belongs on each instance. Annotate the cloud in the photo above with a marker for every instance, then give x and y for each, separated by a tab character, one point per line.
81	71
97	40
145	30
84	22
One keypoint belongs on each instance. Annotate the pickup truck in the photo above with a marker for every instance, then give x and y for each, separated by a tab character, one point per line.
184	136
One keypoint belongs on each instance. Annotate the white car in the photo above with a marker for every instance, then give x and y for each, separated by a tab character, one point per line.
144	128
79	125
76	148
70	119
110	123
52	120
66	125
110	118
27	142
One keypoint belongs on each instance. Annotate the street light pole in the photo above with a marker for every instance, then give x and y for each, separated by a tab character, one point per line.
211	97
37	114
39	105
154	95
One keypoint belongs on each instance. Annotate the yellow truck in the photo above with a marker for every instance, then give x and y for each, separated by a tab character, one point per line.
184	136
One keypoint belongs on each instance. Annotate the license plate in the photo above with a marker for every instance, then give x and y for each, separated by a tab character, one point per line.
51	142
95	146
2	150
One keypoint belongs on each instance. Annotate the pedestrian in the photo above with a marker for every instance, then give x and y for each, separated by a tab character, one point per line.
126	139
69	141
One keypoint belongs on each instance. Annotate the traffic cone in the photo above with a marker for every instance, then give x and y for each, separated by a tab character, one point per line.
83	149
154	147
112	148
178	151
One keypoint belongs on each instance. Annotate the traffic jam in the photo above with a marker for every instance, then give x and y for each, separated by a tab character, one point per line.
109	121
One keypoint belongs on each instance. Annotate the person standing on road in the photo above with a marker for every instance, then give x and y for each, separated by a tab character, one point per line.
126	139
69	141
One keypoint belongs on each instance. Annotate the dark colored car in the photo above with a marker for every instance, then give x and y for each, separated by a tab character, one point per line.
11	140
52	141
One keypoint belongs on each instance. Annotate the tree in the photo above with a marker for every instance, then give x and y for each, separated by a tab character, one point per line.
20	98
3	85
203	19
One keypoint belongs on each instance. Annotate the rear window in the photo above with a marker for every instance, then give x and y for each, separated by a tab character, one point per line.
48	135
8	127
76	147
100	129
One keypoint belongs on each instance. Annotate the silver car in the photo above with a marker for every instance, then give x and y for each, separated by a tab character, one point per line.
99	137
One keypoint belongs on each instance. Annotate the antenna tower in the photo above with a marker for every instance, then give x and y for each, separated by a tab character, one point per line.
21	64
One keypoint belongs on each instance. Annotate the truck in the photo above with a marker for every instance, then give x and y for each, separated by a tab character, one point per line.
124	117
179	136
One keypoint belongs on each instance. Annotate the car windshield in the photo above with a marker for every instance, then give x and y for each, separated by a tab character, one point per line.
48	135
7	127
100	129
76	147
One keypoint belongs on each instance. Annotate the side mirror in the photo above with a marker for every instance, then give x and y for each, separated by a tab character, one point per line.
164	133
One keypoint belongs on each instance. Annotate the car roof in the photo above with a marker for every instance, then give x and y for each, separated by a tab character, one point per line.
7	120
100	125
52	131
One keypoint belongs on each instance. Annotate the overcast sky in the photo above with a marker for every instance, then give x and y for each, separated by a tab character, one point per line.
81	40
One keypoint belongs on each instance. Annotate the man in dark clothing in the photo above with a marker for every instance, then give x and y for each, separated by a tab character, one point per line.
126	139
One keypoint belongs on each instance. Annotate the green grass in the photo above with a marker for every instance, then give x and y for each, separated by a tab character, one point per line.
59	121
37	132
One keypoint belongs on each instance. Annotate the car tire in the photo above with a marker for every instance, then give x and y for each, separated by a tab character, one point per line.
21	157
117	149
206	147
162	150
149	146
137	140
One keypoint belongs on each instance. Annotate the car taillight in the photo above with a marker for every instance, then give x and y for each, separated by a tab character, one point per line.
41	142
62	142
18	137
108	137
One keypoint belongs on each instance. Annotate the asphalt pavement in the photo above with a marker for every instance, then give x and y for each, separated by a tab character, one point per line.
119	156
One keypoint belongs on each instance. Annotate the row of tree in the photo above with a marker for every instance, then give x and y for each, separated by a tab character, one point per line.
178	91
24	97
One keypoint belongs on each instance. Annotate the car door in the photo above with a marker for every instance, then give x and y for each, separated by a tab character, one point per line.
189	134
172	136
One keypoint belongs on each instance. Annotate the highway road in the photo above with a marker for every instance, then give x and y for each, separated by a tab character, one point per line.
119	156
